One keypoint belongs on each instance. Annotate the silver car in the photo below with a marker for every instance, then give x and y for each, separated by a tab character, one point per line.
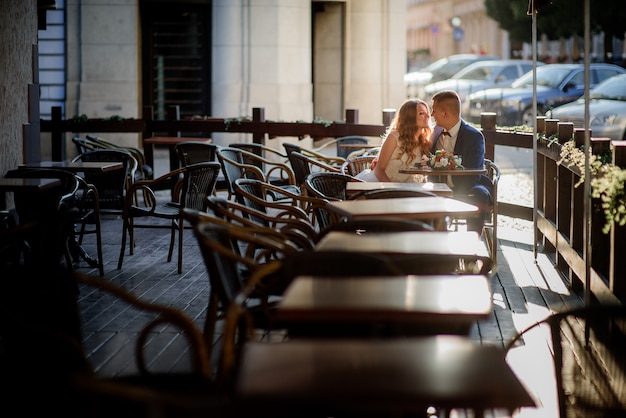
481	75
607	109
440	70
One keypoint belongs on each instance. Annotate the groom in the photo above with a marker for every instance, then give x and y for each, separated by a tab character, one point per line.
454	135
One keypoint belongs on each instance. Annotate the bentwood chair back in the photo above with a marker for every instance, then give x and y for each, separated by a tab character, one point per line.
312	209
92	142
238	163
313	153
192	152
303	165
587	348
354	166
68	385
328	185
197	183
301	232
349	140
264	151
232	254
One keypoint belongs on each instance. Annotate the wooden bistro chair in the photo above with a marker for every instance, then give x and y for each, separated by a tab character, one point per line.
354	166
192	152
587	346
232	254
264	151
344	152
112	185
257	194
300	231
312	153
238	163
193	184
66	382
303	165
328	185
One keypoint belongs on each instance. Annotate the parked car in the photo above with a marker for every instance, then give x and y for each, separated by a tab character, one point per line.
440	70
607	109
481	75
557	84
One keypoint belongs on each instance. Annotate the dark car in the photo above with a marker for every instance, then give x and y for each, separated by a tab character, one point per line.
607	109
557	84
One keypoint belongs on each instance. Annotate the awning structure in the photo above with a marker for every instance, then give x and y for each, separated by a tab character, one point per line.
534	6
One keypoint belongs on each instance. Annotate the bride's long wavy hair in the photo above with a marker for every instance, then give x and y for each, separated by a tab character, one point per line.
411	139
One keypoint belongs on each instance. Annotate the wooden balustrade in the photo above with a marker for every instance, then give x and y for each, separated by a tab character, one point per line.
561	219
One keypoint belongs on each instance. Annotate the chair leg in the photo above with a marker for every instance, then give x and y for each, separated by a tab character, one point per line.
123	246
181	229
172	239
99	244
210	321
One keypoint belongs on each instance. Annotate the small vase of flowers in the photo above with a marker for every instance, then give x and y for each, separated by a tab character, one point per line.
442	160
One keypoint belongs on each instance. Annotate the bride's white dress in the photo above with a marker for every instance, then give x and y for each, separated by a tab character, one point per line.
396	163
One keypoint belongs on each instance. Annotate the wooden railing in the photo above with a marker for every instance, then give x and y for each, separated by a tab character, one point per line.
560	223
560	207
258	126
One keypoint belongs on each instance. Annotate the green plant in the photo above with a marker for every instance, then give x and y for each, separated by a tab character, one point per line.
324	122
79	118
115	117
228	121
607	181
609	188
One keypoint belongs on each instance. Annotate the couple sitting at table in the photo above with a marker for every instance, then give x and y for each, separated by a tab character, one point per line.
410	138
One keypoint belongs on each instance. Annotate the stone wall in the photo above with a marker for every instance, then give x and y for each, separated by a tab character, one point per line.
18	33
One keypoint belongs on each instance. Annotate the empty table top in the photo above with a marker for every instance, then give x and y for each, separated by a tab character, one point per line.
461	243
434	302
436	209
394	376
440	189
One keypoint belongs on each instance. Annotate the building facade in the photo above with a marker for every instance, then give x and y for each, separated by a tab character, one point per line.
439	28
297	59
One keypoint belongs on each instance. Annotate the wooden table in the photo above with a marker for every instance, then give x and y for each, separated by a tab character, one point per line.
464	245
385	305
440	189
171	142
77	166
393	377
28	184
435	209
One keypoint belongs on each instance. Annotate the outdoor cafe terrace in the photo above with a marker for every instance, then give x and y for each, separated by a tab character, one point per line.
529	283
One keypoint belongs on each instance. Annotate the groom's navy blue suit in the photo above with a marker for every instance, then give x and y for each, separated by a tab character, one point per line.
470	145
